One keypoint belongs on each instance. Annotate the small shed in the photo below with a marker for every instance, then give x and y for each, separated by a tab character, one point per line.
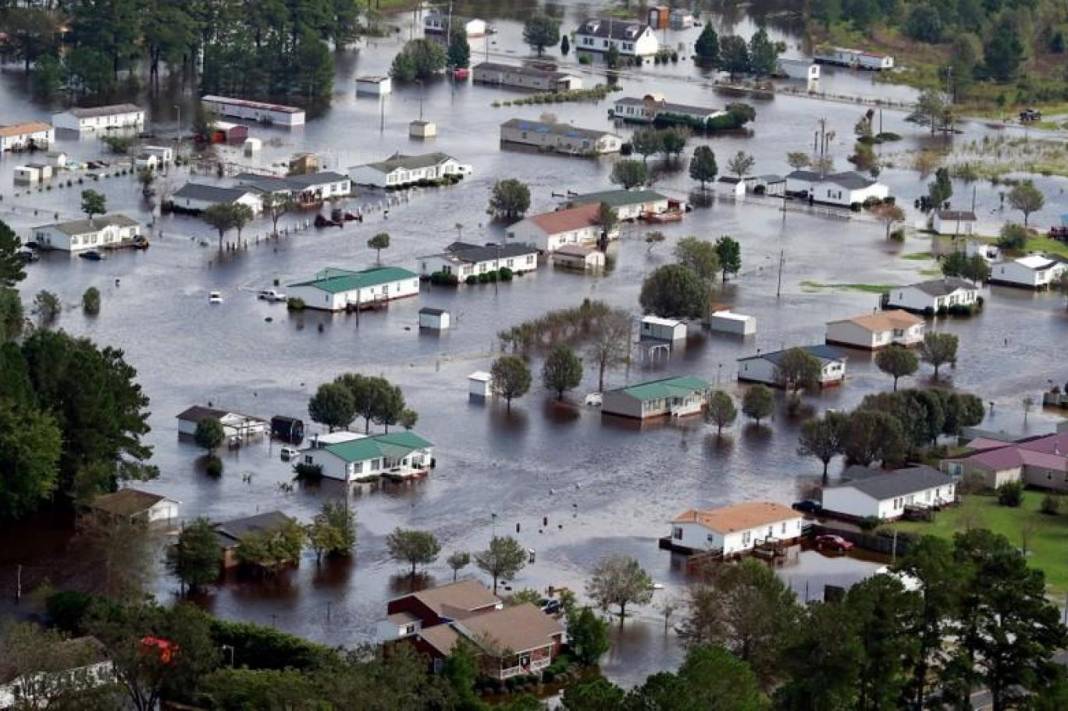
27	174
434	319
730	322
663	329
146	161
56	159
253	145
577	256
287	429
373	85
226	132
422	129
304	164
479	385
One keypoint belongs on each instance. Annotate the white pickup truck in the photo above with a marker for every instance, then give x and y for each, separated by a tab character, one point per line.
272	295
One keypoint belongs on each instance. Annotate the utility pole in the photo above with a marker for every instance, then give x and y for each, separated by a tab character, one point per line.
782	261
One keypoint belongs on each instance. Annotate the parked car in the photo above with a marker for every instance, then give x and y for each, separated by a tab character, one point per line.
288	453
834	543
28	256
272	295
215	297
1028	115
92	255
549	606
807	506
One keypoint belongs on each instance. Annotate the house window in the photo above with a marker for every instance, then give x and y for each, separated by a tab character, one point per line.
783	530
308	459
746	537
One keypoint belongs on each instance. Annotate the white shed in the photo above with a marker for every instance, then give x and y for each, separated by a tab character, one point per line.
479	384
730	322
379	85
434	319
252	145
662	329
420	128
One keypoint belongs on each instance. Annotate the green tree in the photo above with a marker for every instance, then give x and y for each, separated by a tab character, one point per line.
729	253
629	173
619	580
932	110
1004	52
11	271
271	551
941	190
798	160
1013	237
1026	198
510	198
458	561
510	377
418	59
700	256
332	405
194	559
379	242
274	206
597	694
364	393
413	547
798	370
12	315
882	614
565	45
758	402
924	23
562	370
938	349
30	447
502	559
333	530
587	635
609	343
94	203
646	142
47	76
897	362
612	57
823	438
741	164
675	291
721	411
459	54
461	669
222	217
672	142
821	660
873	436
209	434
541	31
763	54
707	46
712	674
703	166
388	403
887	214
607	218
733	56
47	307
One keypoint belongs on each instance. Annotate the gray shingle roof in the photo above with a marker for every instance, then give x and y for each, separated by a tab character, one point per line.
825	354
399	160
209	193
81	227
942	287
110	110
523	70
232	532
900	482
849	179
618	29
557	129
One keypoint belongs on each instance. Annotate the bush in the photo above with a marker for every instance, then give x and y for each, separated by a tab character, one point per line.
1051	505
869	523
213	466
91	301
483	278
294	303
258	647
308	471
505	274
1010	494
585	59
67	609
898	235
472	279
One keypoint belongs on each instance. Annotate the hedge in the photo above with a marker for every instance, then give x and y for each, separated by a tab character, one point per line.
259	647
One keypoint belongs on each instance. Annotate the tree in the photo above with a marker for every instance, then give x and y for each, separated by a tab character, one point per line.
763	54
94	203
223	217
91	301
701	256
1026	198
721	411
887	214
933	110
924	23
707	46
271	551
209	434
458	561
973	268
562	370
510	198
510	377
50	670
798	160
47	306
607	218
541	31
619	580
379	242
758	402
418	59
332	405
609	344
939	349
1013	237
11	271
413	547
711	674
741	164
823	438
873	436
703	166
674	291
882	614
565	45
941	190
672	142
798	369
646	142
1004	52
194	558
502	559
897	362
820	659
274	206
365	393
388	403
333	530
459	53
729	253
629	173
733	55
30	447
597	694
587	635
243	215
146	177
12	315
408	419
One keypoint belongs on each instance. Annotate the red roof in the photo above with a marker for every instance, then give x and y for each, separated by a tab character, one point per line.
574	218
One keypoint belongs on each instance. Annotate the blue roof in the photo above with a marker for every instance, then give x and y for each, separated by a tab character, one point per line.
826	354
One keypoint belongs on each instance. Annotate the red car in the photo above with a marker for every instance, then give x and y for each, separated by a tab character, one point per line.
831	542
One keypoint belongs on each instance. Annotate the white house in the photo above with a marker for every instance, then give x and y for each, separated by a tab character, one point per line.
884	495
399	170
374	85
726	321
630	38
56	159
735	529
100	118
434	319
87	665
877	330
101	231
32	173
234	424
197	197
653	107
334	289
395	454
662	329
842	189
668	397
560	137
436	22
577	256
932	296
313	188
764	367
856	58
953	222
136	505
552	230
466	260
27	135
259	111
628	204
1035	271
527	76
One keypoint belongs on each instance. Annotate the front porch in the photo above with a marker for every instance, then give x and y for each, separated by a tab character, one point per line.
522	664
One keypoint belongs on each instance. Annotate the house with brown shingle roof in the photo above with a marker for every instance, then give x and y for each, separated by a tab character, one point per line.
734	529
877	330
552	230
135	505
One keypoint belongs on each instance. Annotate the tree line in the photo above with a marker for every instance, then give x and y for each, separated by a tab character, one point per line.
351	395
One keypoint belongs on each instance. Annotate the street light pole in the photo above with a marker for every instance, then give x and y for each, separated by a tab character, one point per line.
178	108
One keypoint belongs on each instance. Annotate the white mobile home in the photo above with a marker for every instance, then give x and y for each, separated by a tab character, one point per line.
764	367
1035	271
628	204
871	493
855	58
735	529
653	107
527	76
234	424
932	296
101	231
630	38
100	118
669	397
877	330
662	329
197	197
395	454
727	321
401	171
259	111
31	135
841	189
467	260
436	22
335	289
560	137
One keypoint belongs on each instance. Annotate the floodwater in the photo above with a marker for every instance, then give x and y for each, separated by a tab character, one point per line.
604	488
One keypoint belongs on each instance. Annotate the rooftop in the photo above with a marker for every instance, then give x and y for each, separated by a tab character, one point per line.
512	629
392	444
523	69
196	413
667	387
826	354
1037	262
474	253
458	599
126	502
110	110
618	198
568	219
944	286
231	532
882	485
400	161
334	281
611	27
667	106
210	193
87	226
557	129
19	129
281	108
883	320
738	517
962	215
851	180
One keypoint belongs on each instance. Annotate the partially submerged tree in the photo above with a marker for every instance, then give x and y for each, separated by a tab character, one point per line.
721	411
897	362
822	438
194	559
209	434
758	402
729	253
332	405
511	377
741	164
562	370
703	166
798	370
675	291
458	561
333	530
541	31
413	547
502	559
887	214
510	198
1026	198
379	242
619	580
94	203
629	173
939	349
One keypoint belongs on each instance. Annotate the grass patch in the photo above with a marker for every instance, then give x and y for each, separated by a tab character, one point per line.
933	272
918	256
1045	244
866	288
1046	543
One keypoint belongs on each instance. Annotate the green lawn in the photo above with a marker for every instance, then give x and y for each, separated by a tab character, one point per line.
1048	544
867	288
1045	244
918	256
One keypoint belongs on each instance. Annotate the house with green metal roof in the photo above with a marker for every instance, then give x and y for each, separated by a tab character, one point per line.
334	289
398	455
668	397
628	204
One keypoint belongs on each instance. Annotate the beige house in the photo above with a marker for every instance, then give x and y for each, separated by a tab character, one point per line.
560	137
877	330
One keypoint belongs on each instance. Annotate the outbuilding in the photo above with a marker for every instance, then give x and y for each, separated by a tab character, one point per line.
434	319
373	85
134	505
735	529
479	385
953	222
726	321
577	256
873	493
334	289
662	329
100	118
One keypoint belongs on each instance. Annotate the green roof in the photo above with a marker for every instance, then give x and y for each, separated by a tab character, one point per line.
334	280
393	444
616	198
668	387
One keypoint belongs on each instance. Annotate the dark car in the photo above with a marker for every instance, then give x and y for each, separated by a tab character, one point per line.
807	506
831	542
549	607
